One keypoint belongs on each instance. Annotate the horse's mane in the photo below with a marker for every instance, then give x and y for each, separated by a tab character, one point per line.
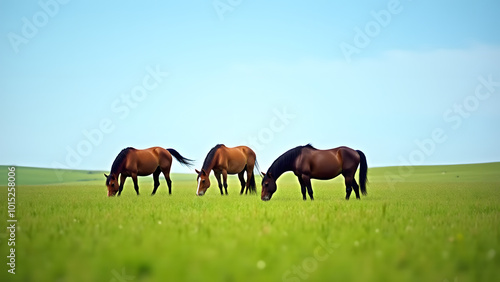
120	159
210	156
285	162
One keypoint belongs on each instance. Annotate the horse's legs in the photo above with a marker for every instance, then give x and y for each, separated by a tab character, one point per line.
242	181
169	183
224	177
348	186
156	175
302	187
166	173
307	183
122	182
355	186
219	182
136	186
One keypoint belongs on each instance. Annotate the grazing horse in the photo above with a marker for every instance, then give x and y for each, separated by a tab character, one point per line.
132	162
223	161
308	162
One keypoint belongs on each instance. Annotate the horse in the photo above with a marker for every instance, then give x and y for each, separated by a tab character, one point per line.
308	163
223	161
133	162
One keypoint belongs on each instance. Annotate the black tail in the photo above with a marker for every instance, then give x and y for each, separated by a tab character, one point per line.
252	186
363	171
181	159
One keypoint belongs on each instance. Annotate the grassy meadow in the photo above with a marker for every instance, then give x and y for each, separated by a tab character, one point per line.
430	223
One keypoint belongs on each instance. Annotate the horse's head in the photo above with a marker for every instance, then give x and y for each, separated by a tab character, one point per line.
203	182
268	186
112	184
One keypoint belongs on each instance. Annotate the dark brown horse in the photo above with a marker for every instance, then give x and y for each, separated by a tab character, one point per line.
308	162
132	162
223	161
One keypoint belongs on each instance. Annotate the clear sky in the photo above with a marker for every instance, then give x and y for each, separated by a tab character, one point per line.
407	82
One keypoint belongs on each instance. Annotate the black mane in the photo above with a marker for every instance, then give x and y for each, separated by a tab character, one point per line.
117	164
210	156
309	146
286	161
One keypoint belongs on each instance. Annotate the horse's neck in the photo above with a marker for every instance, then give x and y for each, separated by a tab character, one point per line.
120	162
286	162
116	172
211	165
278	171
118	169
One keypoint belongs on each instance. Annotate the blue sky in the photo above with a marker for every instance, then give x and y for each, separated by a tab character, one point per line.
407	82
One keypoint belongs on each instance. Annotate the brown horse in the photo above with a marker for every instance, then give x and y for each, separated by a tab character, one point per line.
132	162
308	162
223	161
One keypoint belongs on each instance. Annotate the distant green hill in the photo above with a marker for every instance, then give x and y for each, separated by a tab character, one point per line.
485	172
442	173
44	176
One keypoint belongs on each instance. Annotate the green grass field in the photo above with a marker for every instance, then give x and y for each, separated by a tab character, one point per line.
436	223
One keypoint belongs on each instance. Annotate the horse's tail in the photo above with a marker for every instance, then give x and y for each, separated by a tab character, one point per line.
252	186
363	171
256	167
185	161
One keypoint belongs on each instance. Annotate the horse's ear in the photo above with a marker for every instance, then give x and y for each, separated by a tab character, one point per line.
269	175
105	175
197	171
204	172
262	173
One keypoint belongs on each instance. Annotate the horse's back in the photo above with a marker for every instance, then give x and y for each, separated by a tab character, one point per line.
148	160
322	164
249	153
238	157
153	153
163	157
327	164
